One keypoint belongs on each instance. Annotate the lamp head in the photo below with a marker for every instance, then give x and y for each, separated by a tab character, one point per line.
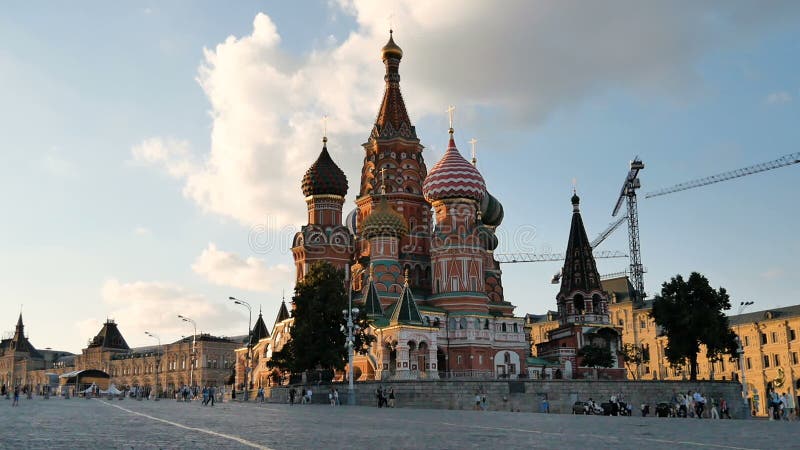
355	311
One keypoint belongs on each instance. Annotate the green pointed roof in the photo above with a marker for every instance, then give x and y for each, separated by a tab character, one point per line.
259	330
283	313
405	310
372	302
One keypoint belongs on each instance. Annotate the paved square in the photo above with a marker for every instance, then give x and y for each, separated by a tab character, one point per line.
130	424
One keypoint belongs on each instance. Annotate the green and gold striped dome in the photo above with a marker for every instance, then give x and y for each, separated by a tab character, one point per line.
384	221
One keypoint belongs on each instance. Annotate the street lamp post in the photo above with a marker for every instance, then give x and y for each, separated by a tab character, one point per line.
194	351
249	339
158	359
740	351
349	314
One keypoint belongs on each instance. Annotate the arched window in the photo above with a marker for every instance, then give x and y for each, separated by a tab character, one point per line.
580	305
503	328
516	329
462	324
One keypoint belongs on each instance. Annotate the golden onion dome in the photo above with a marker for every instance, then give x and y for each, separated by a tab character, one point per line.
384	221
391	50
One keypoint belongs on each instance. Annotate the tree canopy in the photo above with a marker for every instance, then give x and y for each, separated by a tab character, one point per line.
595	356
316	338
690	313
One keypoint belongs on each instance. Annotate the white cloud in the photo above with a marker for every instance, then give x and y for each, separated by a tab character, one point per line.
57	165
154	306
228	269
780	97
142	231
522	61
773	273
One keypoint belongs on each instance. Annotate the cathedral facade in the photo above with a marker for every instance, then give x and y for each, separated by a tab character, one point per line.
418	251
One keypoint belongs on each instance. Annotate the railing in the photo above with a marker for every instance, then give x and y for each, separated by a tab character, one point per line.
471	374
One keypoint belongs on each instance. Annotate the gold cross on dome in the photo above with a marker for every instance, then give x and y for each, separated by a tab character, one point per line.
325	126
383	180
390	18
451	110
474	141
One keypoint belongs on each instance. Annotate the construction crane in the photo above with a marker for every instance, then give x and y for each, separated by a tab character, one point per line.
628	194
787	160
509	258
607	232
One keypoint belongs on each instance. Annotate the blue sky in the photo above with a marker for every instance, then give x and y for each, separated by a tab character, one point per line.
147	145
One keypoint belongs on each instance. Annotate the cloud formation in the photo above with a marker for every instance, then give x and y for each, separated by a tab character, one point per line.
521	62
228	269
778	98
141	306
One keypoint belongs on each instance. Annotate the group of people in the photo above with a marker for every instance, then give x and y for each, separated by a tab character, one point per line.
781	407
694	404
6	393
305	395
480	401
385	397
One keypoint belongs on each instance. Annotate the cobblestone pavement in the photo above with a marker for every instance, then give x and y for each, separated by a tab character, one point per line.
130	424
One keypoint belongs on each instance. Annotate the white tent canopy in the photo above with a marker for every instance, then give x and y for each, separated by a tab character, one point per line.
112	390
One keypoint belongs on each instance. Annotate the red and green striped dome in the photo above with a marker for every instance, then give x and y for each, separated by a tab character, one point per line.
453	177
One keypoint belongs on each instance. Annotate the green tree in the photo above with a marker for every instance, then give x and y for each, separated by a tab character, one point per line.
633	356
690	313
595	356
316	340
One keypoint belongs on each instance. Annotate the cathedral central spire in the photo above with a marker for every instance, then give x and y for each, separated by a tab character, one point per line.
392	118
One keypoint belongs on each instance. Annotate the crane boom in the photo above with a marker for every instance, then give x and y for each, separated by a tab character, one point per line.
539	257
607	232
787	160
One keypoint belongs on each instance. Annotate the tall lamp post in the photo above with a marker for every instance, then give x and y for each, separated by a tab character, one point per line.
740	351
249	339
194	352
158	358
350	314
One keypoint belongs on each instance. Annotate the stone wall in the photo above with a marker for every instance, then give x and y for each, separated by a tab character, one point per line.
524	396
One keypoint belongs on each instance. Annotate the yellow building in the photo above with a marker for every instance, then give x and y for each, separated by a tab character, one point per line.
769	341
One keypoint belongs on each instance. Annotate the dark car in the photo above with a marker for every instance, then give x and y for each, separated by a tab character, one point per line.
580	408
663	409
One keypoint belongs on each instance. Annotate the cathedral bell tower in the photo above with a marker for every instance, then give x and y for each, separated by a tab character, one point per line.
393	159
323	238
455	188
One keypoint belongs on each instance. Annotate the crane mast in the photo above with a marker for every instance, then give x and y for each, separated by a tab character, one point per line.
628	195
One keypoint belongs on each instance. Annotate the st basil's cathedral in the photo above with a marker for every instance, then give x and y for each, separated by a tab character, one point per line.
430	284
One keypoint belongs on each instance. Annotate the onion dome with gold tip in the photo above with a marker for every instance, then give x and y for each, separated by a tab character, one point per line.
384	221
391	50
453	177
324	177
491	210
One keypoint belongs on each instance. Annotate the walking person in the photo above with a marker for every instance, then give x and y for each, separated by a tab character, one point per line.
790	405
212	391
330	397
16	396
714	412
723	407
205	395
309	394
336	397
260	395
391	397
379	395
292	395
